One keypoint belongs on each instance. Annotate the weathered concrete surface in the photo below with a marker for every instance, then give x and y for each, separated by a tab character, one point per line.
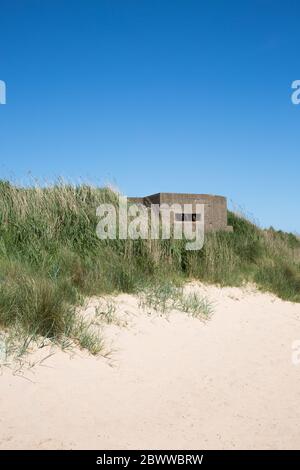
215	207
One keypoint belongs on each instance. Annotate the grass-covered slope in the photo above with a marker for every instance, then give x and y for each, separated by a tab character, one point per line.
51	257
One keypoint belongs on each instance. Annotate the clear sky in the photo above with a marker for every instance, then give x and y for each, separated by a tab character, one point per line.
156	95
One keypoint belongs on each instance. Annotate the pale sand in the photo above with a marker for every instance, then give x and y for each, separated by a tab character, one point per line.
175	383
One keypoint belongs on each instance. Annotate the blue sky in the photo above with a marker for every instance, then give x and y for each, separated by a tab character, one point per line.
183	96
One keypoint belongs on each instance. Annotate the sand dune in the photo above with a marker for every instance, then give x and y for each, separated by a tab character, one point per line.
169	383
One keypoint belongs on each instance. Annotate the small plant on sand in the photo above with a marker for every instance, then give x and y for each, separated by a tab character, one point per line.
165	297
107	311
159	297
86	336
195	305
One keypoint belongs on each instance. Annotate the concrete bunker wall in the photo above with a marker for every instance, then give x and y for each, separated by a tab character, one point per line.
215	207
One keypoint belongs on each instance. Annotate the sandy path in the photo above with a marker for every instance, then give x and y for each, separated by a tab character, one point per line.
177	383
